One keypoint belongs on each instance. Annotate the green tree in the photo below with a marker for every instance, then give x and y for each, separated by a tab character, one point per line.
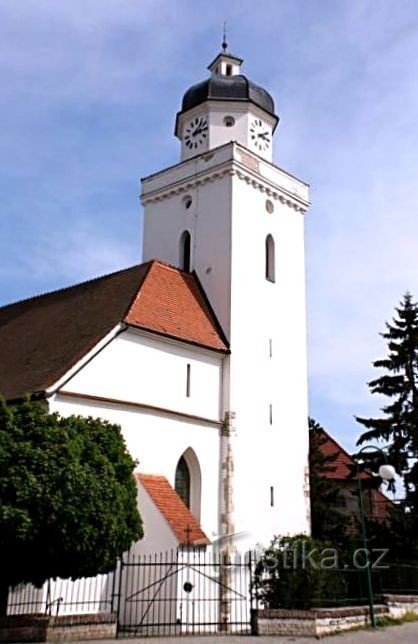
327	520
299	572
398	427
67	496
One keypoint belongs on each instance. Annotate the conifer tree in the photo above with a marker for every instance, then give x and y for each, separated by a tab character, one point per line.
398	426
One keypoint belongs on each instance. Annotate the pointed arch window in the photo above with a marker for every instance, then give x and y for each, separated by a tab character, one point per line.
182	481
188	481
185	250
270	259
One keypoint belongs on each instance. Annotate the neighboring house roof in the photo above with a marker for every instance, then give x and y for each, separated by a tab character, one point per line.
41	338
178	516
343	465
343	470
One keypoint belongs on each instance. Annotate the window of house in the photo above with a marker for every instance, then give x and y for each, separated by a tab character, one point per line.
269	206
185	247
182	481
270	259
188	374
272	496
187	200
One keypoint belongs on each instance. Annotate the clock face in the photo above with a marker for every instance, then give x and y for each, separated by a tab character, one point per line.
259	135
196	132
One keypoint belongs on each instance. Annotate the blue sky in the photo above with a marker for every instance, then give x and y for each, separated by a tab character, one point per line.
89	91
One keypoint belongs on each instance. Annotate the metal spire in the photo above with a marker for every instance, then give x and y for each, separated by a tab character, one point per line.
224	43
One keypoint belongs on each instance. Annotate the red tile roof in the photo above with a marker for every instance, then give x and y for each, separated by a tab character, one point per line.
173	303
343	468
43	337
178	516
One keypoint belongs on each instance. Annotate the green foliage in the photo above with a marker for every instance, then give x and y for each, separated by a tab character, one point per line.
298	572
398	427
67	495
327	518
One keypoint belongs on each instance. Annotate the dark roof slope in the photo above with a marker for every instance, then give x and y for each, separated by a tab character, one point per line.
43	337
227	88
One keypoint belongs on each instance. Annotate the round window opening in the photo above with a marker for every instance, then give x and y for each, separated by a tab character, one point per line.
269	206
187	201
229	121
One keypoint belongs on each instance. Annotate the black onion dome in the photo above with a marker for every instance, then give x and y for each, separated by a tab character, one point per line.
227	88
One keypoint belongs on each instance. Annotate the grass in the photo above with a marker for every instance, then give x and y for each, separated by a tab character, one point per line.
409	616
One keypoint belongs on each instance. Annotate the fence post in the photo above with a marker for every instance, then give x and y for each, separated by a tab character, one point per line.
253	595
119	597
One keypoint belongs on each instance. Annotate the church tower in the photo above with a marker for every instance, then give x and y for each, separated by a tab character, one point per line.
228	213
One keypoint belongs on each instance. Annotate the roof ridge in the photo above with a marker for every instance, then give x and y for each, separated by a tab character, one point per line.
169	266
71	286
141	475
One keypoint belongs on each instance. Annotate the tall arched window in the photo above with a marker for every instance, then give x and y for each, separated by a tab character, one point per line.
188	481
185	245
182	481
270	259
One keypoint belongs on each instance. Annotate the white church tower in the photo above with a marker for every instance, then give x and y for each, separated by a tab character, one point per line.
228	213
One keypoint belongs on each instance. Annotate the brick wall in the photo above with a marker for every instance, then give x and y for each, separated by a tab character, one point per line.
42	628
314	623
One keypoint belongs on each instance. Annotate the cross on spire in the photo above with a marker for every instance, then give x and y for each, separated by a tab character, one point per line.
224	43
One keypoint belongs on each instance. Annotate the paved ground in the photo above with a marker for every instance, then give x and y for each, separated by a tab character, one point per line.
405	634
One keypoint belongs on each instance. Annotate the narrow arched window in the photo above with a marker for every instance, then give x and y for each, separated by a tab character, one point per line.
270	259
185	245
182	481
188	481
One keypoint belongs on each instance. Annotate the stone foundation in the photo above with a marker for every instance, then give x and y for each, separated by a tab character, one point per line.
326	621
399	605
42	628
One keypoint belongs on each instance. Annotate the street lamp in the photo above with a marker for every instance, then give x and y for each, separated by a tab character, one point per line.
387	473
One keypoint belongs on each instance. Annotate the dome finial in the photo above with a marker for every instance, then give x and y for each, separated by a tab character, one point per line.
224	43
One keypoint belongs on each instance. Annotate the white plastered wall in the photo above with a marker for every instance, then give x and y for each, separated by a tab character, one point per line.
215	112
268	453
136	368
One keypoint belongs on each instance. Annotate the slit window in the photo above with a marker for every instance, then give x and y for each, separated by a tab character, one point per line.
185	247
188	375
270	259
270	348
271	414
271	496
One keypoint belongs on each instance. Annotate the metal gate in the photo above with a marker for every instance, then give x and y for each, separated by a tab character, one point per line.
183	592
